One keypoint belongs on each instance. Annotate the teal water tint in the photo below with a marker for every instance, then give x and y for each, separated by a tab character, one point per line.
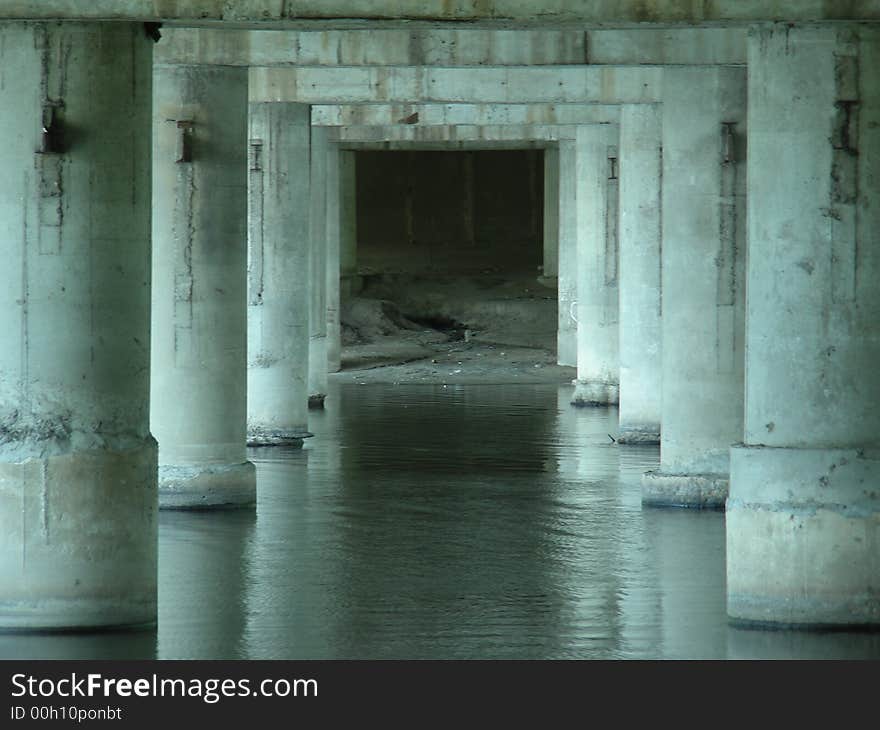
447	522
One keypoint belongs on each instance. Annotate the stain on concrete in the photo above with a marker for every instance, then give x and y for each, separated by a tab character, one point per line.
807	265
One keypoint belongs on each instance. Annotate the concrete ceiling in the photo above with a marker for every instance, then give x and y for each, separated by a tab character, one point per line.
510	13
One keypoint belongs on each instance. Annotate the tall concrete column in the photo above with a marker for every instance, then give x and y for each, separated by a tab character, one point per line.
320	149
551	215
596	266
803	517
278	274
199	344
639	287
341	245
78	504
702	285
566	285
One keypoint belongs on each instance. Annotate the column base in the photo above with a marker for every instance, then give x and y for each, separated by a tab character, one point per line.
803	538
639	435
696	491
277	437
316	401
78	534
207	487
595	393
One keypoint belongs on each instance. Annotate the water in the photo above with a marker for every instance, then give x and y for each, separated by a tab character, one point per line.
447	522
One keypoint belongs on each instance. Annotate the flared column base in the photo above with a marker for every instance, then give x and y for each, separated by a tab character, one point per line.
291	438
639	435
694	491
803	538
595	393
78	539
209	486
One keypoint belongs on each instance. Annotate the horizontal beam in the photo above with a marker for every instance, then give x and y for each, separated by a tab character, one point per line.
463	133
668	46
448	146
429	115
414	84
451	47
277	12
373	47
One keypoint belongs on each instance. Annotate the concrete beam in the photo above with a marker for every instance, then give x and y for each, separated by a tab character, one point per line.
448	146
444	46
464	133
372	47
667	46
259	13
431	115
414	84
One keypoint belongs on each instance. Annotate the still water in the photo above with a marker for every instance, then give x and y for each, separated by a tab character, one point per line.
451	522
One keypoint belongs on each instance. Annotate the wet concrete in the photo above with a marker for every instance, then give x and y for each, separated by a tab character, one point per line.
447	522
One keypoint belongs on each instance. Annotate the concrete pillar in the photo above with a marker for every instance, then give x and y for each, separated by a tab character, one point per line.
639	287
803	520
702	285
278	274
551	215
318	268
341	246
566	332
199	344
78	499
596	266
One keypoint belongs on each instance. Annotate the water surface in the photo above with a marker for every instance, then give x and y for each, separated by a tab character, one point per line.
447	522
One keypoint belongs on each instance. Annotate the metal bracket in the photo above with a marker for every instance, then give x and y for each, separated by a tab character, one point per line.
184	140
51	134
728	142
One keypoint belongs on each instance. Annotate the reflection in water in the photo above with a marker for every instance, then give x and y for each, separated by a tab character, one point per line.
203	569
447	522
92	646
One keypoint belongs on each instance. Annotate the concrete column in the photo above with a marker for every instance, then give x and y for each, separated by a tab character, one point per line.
596	266
341	246
318	268
78	498
702	285
551	215
278	274
566	333
803	521
199	345
639	288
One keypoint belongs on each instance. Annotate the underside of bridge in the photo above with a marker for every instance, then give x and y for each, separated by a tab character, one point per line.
208	207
